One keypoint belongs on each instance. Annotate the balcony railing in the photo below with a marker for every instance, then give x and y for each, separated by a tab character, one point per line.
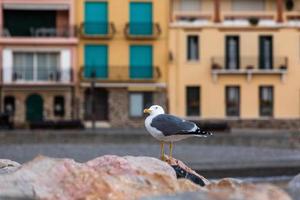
142	30
37	76
97	30
193	17
264	18
249	66
120	74
41	32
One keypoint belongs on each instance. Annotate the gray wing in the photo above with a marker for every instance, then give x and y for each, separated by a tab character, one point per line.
171	125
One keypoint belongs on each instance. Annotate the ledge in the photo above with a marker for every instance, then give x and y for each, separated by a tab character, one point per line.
248	73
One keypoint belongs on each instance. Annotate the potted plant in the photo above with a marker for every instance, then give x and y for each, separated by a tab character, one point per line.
250	67
283	67
253	21
289	5
215	66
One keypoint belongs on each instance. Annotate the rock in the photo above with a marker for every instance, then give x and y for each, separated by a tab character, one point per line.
294	187
7	166
107	177
230	189
183	171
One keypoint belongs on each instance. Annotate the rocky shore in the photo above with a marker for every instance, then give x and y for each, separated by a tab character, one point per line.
112	177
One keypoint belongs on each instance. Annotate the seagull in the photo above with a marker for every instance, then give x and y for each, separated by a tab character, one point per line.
169	128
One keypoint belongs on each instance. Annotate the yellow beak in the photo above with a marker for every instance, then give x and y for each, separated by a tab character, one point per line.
147	111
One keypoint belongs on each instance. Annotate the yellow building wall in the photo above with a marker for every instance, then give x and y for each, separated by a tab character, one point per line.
119	45
286	42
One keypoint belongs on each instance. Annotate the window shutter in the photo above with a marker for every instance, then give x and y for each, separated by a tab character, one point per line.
65	66
7	65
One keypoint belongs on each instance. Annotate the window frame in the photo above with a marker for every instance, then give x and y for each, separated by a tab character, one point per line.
227	88
35	67
144	104
188	57
187	109
261	114
13	104
63	112
227	52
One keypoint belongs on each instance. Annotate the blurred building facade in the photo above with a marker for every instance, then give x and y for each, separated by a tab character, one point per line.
38	47
236	61
122	59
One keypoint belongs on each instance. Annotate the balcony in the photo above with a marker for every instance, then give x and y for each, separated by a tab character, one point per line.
115	74
254	18
35	27
249	67
97	30
37	77
39	32
142	31
192	18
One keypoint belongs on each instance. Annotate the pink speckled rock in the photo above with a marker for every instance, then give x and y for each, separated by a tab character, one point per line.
107	177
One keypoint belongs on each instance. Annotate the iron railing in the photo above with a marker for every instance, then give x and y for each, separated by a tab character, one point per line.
40	75
97	30
40	32
119	74
142	30
249	63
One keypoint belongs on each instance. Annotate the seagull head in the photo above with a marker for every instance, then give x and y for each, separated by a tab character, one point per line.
154	110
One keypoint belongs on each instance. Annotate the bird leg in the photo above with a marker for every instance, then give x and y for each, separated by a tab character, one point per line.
162	150
171	149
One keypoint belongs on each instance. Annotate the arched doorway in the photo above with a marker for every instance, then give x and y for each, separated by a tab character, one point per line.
34	108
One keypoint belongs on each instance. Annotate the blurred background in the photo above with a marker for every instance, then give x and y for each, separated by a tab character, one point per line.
77	74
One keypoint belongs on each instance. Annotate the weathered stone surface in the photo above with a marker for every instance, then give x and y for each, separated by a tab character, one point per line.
7	166
294	187
230	189
107	177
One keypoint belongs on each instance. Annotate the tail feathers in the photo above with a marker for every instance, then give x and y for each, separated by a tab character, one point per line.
201	133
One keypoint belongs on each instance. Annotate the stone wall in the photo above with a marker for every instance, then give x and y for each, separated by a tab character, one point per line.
280	124
119	108
48	99
287	124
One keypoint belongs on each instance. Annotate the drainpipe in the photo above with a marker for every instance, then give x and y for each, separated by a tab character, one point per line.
279	11
217	18
93	76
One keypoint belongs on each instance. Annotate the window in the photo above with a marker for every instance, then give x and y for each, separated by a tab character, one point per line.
96	61
193	48
248	5
232	52
265	52
190	5
9	105
233	101
266	101
141	68
30	66
193	101
141	18
27	22
138	102
59	106
96	18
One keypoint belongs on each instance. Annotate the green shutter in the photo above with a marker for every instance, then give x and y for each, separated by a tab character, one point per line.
96	18
96	59
141	18
141	65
